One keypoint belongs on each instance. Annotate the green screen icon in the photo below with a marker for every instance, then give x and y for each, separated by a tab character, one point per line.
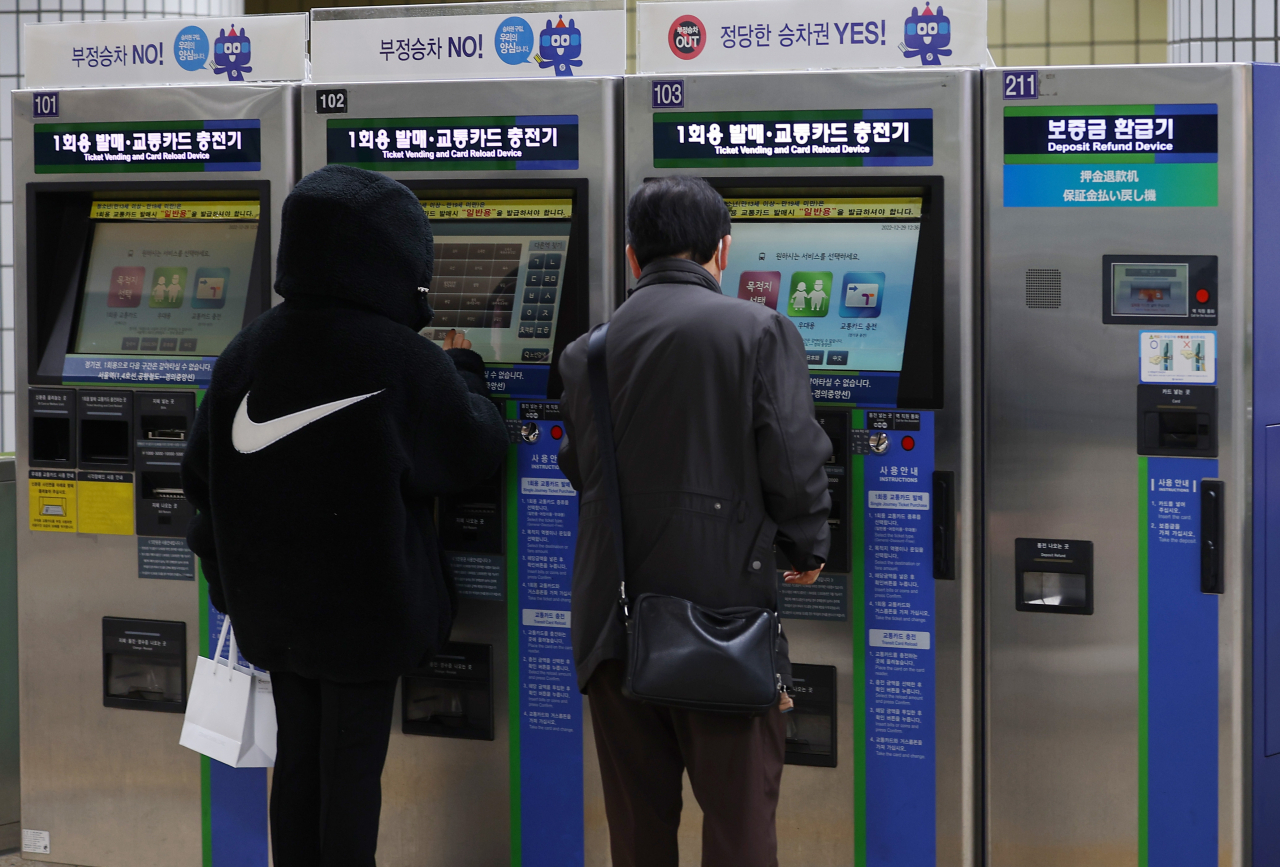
167	287
810	293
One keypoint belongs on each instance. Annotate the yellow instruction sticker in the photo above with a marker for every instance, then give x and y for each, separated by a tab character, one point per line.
826	208
211	210
499	209
105	503
52	501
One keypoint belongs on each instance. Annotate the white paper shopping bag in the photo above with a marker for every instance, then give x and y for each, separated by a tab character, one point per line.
218	705
258	749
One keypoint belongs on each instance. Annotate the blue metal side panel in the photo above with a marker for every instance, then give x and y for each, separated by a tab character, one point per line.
1266	403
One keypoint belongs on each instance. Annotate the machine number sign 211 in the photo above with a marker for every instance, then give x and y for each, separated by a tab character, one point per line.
1020	84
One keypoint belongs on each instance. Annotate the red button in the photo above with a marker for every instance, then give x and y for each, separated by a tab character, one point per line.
908	443
1202	295
556	431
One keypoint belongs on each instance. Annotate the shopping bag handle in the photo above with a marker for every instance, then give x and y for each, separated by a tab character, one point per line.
231	655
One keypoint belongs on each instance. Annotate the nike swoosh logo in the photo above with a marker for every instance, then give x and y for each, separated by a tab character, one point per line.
249	436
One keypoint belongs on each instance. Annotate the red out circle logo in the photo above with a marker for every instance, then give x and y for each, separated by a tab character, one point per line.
686	37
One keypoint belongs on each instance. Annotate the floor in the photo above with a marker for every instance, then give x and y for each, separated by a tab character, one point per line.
17	861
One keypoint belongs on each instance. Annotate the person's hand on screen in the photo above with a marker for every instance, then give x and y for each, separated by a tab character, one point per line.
456	340
800	577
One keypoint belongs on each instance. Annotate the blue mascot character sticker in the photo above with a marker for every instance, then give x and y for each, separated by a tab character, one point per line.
927	36
231	54
560	47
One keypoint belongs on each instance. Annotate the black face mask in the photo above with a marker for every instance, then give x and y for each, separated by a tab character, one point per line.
427	312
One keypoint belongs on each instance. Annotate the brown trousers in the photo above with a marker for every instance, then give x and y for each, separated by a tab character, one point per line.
734	764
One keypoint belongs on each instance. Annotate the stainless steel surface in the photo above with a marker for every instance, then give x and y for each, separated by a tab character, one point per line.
1062	693
815	817
10	781
447	802
112	787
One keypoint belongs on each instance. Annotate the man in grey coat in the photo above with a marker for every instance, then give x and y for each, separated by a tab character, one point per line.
720	459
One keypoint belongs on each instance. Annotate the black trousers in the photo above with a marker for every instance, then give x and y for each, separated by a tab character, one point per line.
735	769
326	793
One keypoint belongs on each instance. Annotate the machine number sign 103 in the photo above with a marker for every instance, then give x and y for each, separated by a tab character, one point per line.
668	94
1020	84
44	104
331	102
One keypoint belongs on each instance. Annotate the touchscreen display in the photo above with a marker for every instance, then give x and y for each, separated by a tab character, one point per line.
165	287
500	280
1149	289
841	269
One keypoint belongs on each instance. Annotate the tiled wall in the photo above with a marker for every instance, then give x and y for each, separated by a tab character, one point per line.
1072	32
1210	31
13	14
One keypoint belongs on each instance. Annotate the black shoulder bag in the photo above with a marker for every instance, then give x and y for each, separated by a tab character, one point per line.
680	654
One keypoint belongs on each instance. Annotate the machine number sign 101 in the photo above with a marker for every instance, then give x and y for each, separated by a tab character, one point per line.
44	104
331	102
668	94
1020	84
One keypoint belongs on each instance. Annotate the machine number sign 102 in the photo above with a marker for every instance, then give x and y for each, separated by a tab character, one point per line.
44	104
331	102
668	94
1020	84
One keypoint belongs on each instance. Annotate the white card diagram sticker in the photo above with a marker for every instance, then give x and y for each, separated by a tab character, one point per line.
1168	356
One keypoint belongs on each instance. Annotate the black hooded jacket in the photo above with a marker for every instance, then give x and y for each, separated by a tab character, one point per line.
329	426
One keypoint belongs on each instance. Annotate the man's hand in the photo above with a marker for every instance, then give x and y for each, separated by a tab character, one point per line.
802	577
456	340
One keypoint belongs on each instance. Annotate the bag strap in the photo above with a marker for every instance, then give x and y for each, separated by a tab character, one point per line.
598	376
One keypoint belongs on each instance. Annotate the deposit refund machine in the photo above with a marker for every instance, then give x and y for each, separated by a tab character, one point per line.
1133	465
505	125
854	205
145	225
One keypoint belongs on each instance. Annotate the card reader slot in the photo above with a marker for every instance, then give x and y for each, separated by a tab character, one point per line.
104	441
51	440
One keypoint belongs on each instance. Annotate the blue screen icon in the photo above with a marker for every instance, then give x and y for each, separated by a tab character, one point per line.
861	294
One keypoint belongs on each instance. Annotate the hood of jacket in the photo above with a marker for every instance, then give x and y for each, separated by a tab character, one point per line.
359	237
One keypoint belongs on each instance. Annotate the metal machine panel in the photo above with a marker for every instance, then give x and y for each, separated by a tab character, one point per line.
112	787
470	801
1114	737
816	816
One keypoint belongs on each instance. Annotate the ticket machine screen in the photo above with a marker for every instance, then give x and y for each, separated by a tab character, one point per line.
841	269
500	275
165	286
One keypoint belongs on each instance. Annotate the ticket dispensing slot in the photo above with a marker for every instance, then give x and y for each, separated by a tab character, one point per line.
811	724
452	696
1178	420
53	427
144	664
1054	575
106	422
163	421
471	521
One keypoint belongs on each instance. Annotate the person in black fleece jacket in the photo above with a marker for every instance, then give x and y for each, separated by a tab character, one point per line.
328	428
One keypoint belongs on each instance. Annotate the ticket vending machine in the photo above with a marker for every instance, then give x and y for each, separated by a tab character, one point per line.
1131	406
519	180
146	221
854	205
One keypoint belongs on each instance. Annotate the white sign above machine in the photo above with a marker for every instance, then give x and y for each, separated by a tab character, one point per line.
750	35
469	40
247	49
